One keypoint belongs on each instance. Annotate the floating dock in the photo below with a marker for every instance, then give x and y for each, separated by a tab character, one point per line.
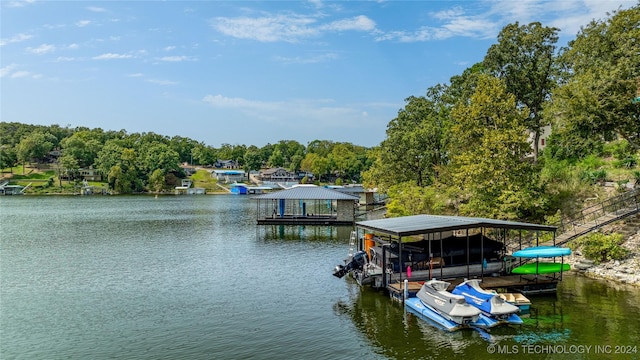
512	283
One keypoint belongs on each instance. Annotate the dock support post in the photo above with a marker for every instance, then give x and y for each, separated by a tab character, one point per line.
406	290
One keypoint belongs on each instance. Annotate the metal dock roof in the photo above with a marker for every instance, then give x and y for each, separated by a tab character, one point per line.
423	224
307	192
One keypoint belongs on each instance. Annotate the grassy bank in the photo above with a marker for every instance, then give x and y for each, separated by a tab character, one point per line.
42	182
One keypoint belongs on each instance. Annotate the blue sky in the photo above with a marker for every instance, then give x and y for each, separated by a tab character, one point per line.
244	72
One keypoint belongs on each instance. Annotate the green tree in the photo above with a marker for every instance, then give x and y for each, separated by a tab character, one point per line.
252	158
8	157
35	146
600	80
109	156
69	167
409	199
276	159
232	152
160	156
416	143
488	166
317	165
204	155
288	154
346	162
156	180
83	146
524	58
121	166
185	147
320	147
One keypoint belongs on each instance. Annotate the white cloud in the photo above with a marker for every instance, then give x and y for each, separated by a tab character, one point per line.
307	60
358	23
162	82
64	59
96	9
317	113
83	23
288	28
11	72
448	23
267	29
169	48
567	15
317	3
135	75
468	27
573	15
112	56
485	19
20	74
176	58
16	3
16	38
227	102
53	26
7	70
42	49
73	46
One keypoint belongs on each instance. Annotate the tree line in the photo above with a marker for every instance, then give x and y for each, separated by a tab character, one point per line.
147	161
467	147
470	147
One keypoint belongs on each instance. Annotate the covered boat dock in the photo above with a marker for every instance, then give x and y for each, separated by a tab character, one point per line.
306	205
422	247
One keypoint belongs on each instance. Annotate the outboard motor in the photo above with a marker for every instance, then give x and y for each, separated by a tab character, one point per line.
357	262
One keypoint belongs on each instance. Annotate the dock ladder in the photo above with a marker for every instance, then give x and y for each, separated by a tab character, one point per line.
352	243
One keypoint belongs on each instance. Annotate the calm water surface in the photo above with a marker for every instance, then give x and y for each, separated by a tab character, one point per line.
194	277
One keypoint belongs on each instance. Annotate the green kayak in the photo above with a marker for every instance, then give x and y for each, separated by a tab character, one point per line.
540	268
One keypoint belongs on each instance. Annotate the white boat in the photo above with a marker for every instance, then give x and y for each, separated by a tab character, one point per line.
495	310
453	307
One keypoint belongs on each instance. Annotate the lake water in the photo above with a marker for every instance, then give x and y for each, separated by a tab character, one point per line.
193	277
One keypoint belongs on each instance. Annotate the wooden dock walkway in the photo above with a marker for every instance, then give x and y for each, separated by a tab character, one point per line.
526	284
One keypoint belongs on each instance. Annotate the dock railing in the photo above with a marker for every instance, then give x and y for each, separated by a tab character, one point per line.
588	219
597	216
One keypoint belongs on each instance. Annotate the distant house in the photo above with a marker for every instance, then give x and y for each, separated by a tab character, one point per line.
228	176
89	174
186	188
278	177
188	169
277	174
545	132
53	156
366	195
226	164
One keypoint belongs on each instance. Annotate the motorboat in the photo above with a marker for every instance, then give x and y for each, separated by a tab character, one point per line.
355	263
495	310
452	307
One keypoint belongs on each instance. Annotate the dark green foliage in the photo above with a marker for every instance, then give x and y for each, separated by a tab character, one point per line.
600	247
593	176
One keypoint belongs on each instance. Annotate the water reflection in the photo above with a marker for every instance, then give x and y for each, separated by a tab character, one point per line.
584	312
306	232
398	334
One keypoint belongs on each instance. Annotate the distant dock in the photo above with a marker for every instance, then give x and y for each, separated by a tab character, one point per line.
306	205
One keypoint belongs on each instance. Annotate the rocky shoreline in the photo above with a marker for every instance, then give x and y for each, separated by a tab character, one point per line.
626	271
